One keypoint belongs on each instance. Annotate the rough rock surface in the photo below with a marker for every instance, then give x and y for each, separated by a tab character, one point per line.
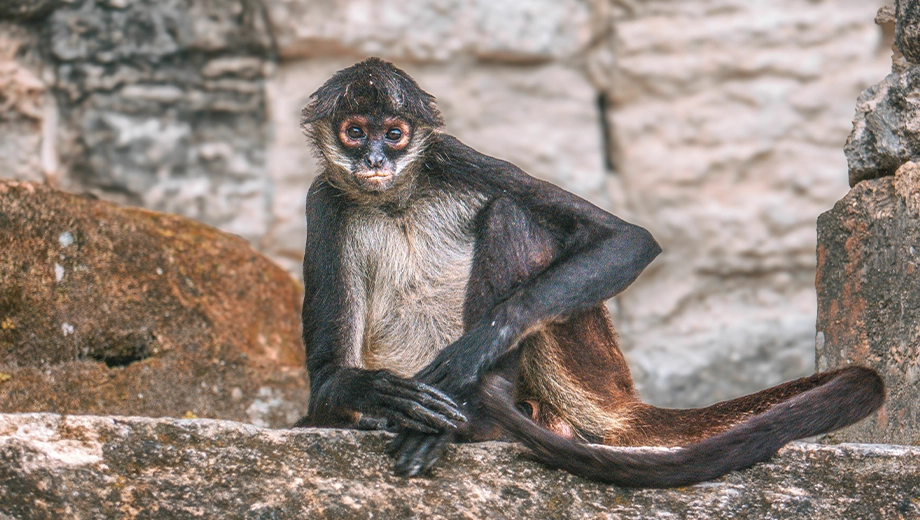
28	9
886	129
162	105
433	30
109	310
24	101
907	31
123	467
869	298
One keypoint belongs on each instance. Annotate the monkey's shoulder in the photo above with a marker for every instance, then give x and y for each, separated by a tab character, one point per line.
459	164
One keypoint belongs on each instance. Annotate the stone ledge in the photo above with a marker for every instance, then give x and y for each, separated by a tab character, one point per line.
128	467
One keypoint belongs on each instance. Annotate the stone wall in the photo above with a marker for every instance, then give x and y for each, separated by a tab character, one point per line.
717	124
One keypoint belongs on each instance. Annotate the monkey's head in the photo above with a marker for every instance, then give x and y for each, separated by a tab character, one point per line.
369	124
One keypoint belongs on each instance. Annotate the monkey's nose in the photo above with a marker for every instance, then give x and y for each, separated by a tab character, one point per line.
375	160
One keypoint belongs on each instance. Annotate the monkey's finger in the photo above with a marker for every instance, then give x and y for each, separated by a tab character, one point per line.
433	455
371	423
395	445
407	454
423	456
425	395
444	408
406	423
409	423
422	388
392	427
439	406
418	413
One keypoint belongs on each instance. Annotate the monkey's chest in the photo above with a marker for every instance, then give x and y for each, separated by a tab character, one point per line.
414	280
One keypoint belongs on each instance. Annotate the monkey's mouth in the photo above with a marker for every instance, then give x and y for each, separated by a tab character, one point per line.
377	179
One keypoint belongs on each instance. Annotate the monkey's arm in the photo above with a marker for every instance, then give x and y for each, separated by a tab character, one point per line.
332	327
594	256
590	255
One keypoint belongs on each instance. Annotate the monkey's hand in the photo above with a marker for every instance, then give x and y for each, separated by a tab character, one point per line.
416	452
456	371
411	405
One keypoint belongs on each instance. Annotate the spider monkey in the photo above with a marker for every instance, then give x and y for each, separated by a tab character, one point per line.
450	297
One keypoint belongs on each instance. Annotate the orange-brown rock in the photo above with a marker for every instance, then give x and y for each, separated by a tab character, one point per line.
123	311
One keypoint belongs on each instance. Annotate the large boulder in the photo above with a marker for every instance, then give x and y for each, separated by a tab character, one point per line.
110	310
869	298
119	467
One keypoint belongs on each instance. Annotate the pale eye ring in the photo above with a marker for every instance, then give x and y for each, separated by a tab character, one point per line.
394	134
354	132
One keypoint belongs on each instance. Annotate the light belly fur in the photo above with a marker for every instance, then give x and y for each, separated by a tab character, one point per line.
412	272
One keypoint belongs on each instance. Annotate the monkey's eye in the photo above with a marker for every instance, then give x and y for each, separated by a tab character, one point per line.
394	134
354	132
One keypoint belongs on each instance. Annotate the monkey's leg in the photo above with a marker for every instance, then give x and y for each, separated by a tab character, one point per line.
575	371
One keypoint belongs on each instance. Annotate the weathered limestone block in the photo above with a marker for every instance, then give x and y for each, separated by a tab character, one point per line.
24	94
869	298
886	129
433	30
907	29
28	9
110	310
163	105
124	467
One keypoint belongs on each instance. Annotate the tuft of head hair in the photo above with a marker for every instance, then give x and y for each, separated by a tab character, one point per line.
372	84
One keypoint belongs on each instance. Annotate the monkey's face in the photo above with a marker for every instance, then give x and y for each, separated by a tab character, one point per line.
377	148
